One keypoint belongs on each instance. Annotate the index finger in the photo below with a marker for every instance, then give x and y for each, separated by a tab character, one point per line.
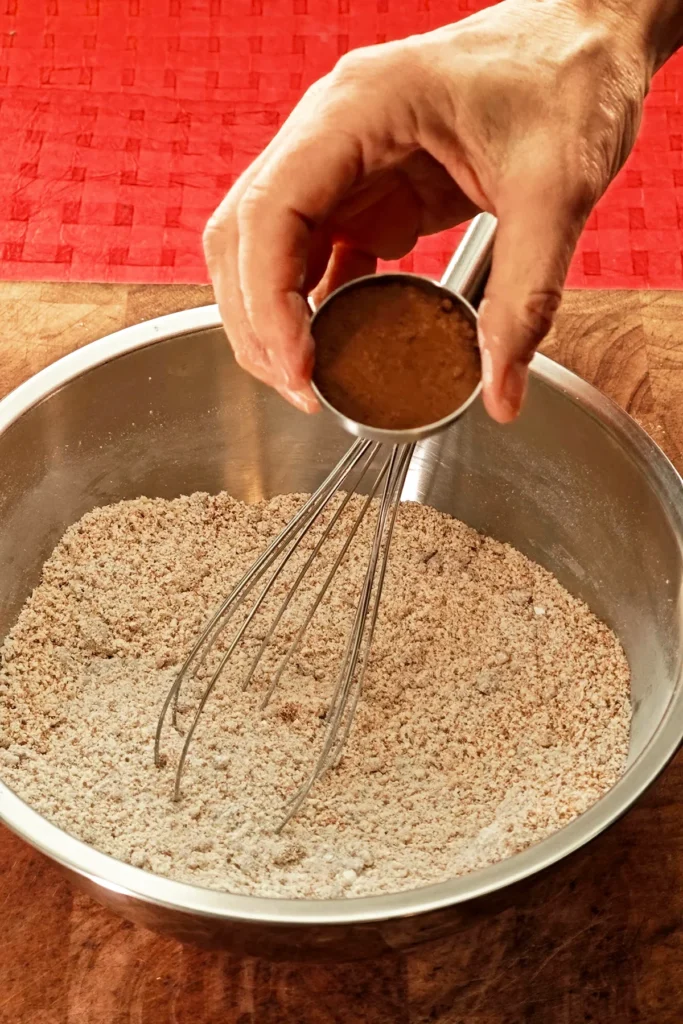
288	199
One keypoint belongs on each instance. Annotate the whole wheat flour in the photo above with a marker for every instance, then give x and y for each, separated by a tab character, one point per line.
496	706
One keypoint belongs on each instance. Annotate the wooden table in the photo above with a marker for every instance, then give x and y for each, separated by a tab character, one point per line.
601	940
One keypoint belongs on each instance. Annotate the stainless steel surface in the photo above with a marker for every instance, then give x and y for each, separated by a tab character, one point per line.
162	410
469	268
415	434
463	283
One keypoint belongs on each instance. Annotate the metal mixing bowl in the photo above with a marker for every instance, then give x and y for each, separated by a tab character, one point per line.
161	409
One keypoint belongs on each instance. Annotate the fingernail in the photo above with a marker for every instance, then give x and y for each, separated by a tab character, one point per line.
486	368
481	337
301	399
514	387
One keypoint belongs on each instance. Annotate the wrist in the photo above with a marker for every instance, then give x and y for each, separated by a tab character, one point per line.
654	28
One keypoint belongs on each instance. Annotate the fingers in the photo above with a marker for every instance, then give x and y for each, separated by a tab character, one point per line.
346	264
263	252
221	252
221	249
537	234
340	186
277	220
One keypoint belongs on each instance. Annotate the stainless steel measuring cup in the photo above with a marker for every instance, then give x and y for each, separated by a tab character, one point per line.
463	284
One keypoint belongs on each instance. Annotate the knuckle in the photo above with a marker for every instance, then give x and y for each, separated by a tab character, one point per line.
211	236
316	91
250	206
351	67
216	231
366	63
380	69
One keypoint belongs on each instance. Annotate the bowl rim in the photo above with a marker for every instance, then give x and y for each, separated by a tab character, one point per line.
124	879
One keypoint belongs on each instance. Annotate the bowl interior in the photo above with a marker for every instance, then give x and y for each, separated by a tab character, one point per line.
573	484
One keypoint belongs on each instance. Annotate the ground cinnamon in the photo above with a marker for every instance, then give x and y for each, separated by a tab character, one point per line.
394	356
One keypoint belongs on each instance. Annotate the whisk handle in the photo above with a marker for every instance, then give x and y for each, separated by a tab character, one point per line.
468	271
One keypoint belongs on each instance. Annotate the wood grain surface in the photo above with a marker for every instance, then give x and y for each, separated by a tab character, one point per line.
601	940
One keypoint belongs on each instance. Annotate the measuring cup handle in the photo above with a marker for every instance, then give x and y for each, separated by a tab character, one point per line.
468	271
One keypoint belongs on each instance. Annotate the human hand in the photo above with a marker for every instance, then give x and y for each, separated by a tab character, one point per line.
526	110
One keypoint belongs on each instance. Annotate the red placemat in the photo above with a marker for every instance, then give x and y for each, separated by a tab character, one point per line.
123	122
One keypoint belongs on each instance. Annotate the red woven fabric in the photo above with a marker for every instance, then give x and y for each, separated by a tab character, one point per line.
123	122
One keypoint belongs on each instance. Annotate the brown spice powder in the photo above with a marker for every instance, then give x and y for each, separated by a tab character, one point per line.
394	356
496	706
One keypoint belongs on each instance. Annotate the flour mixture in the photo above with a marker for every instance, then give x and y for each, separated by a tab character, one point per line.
496	706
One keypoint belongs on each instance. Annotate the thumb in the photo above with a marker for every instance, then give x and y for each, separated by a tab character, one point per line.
532	251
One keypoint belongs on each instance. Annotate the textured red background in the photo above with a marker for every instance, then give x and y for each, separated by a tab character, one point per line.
123	122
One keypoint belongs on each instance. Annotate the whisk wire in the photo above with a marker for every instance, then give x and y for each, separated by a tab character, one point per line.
401	478
306	566
207	638
325	585
285	555
349	682
341	713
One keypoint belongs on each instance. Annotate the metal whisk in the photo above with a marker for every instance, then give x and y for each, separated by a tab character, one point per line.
385	454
